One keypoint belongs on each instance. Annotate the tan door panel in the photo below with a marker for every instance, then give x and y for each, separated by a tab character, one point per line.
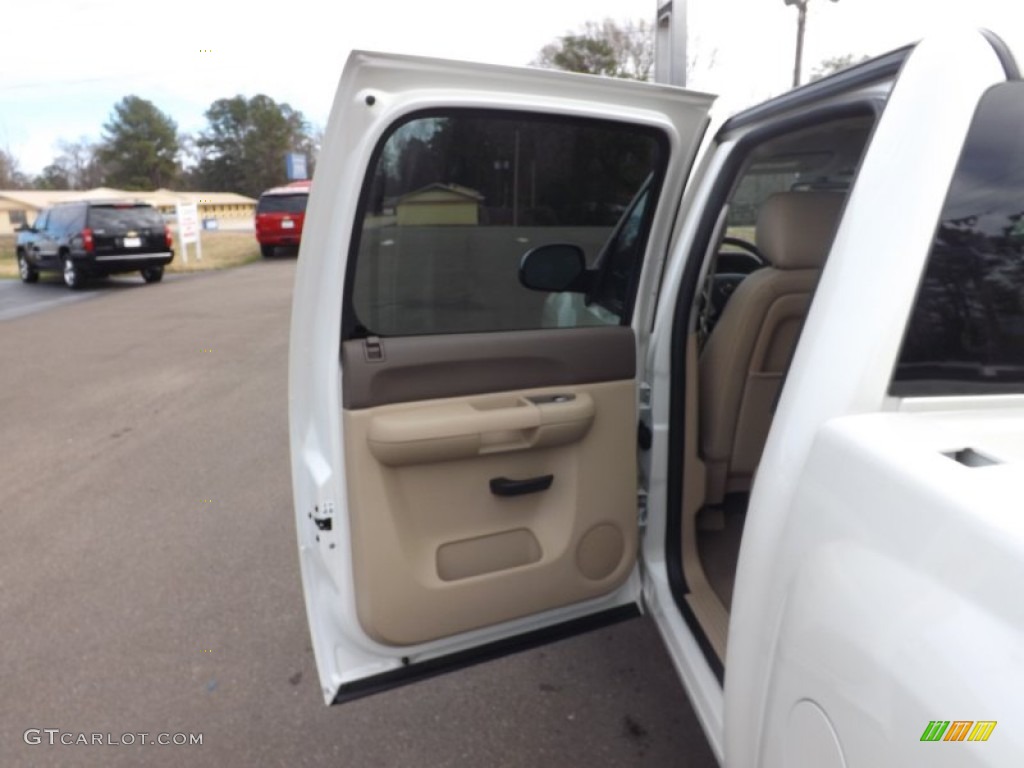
437	551
463	429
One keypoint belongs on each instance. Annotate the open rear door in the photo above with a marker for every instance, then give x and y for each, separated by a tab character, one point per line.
463	448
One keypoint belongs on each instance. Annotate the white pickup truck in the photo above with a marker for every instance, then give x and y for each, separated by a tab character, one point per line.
568	349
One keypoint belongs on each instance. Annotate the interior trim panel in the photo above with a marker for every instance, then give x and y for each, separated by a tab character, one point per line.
406	369
472	511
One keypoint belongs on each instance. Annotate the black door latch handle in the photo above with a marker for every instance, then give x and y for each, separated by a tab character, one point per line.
503	486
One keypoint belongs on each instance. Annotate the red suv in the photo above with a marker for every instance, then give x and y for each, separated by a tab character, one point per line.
279	216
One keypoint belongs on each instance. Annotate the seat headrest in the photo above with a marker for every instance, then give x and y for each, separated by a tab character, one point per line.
795	229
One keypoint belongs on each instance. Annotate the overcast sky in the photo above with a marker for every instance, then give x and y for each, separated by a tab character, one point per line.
64	63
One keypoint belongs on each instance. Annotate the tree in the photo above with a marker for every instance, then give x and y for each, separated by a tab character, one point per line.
139	147
81	159
835	64
311	144
604	48
244	147
11	176
53	176
76	167
191	158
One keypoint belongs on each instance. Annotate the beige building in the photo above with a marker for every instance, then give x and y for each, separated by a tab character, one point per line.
439	204
231	211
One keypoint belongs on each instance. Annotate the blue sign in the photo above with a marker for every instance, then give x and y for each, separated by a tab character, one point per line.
295	165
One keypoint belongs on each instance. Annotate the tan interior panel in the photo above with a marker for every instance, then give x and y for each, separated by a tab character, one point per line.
745	358
437	551
768	363
706	606
486	554
427	433
600	550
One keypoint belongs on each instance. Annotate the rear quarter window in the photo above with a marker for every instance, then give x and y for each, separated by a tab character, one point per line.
966	331
62	220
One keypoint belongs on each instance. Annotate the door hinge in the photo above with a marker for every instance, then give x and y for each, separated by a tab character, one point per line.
373	349
641	507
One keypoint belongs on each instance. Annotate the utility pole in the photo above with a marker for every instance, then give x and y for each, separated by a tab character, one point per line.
801	24
670	43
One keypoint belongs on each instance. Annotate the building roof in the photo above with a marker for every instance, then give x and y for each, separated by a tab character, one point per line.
294	188
40	198
438	192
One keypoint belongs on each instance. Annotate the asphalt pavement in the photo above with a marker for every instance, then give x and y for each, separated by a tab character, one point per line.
18	299
149	576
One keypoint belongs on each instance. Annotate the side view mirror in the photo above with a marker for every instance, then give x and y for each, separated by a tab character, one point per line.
555	267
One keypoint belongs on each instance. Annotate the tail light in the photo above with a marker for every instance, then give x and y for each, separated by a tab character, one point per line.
168	236
87	241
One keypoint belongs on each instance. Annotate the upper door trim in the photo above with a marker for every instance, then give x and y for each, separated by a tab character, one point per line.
429	367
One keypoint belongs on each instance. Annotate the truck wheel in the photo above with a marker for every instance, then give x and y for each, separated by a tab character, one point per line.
267	251
73	277
27	272
153	274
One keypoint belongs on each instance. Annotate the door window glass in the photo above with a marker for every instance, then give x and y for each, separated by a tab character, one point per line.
454	200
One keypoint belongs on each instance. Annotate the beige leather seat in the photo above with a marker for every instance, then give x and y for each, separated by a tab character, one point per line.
746	356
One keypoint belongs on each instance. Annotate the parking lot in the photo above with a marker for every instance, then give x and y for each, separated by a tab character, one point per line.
149	580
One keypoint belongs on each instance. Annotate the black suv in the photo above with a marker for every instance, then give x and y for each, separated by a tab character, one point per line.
84	239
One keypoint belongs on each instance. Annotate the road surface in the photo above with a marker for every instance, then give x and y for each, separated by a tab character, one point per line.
149	577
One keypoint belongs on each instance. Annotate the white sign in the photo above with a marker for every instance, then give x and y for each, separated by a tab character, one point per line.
188	223
188	229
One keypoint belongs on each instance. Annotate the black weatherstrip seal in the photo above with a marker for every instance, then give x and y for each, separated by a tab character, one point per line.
1003	53
424	670
876	70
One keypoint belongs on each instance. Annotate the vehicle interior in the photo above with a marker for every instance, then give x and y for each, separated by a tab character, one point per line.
767	251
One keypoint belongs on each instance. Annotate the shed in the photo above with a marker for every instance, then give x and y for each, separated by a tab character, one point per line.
439	204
